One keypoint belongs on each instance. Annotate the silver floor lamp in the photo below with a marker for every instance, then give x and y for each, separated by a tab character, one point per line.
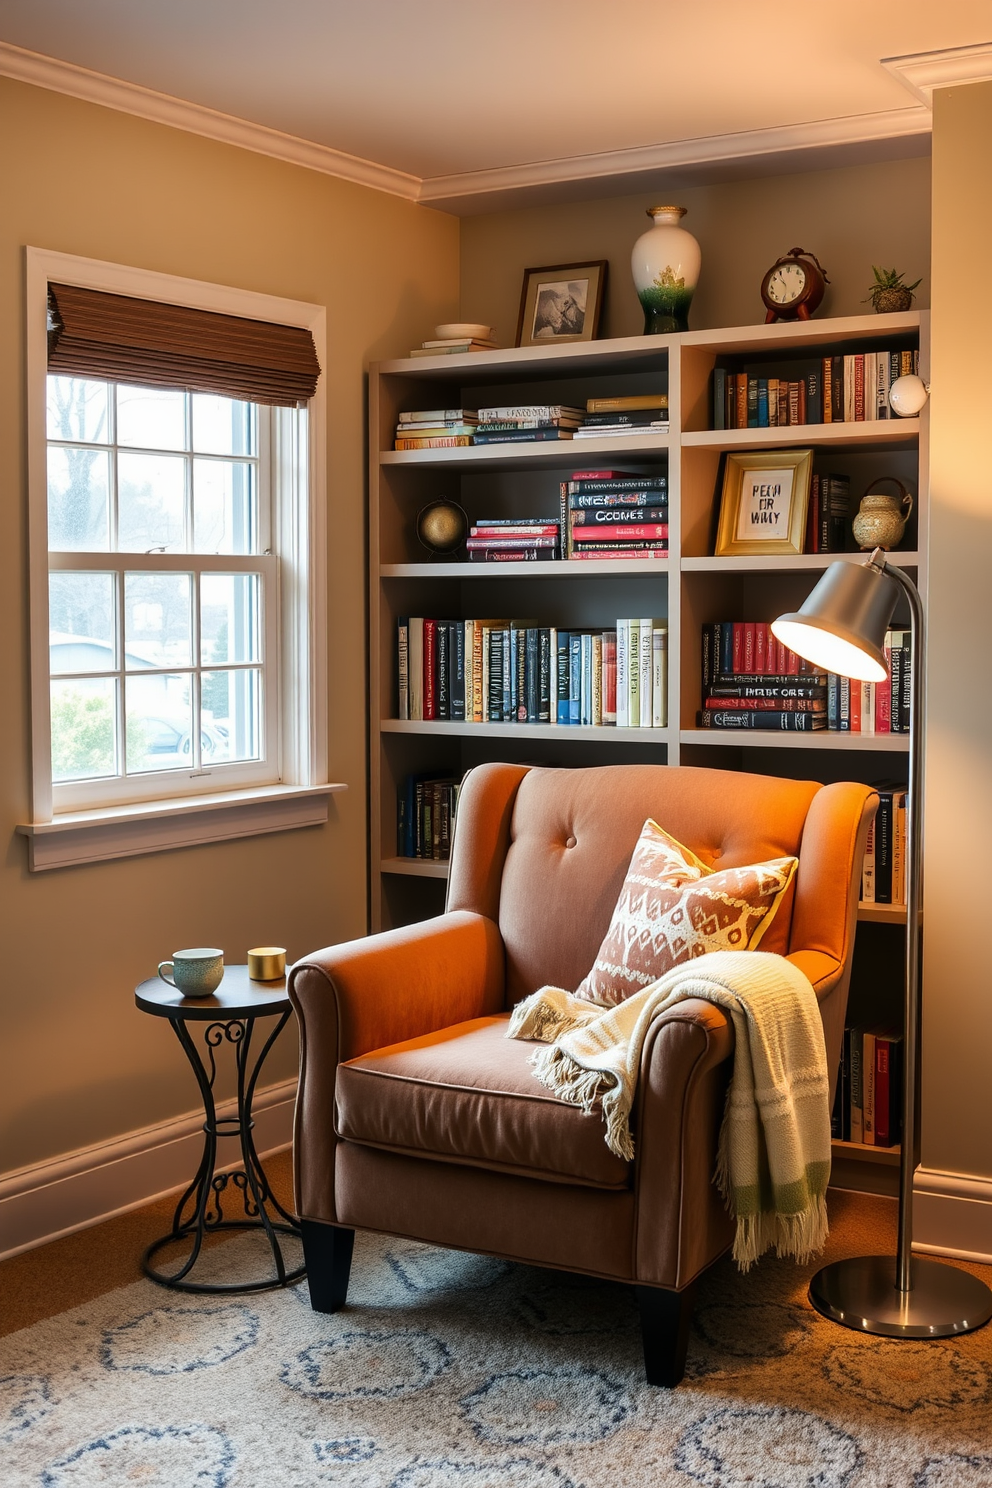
841	628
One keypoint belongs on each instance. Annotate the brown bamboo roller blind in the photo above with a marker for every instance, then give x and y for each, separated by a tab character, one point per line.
122	339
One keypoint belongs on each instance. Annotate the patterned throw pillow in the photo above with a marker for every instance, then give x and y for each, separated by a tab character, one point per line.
672	907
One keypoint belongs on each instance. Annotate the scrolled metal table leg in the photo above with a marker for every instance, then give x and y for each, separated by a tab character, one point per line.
208	1187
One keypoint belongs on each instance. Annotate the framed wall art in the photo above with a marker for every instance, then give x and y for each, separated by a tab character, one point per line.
561	303
763	502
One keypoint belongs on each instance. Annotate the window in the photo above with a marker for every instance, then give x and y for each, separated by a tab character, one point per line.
177	588
163	617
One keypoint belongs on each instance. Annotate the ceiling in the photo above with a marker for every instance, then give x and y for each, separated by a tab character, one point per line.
460	101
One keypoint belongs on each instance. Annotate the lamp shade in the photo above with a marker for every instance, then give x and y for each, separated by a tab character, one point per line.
841	627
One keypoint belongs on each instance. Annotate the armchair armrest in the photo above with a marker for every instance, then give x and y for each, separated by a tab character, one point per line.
400	984
823	971
356	997
685	1069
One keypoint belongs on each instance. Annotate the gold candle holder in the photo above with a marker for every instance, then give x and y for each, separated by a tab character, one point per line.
266	963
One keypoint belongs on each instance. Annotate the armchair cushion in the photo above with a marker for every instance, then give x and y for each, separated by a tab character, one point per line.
673	908
468	1095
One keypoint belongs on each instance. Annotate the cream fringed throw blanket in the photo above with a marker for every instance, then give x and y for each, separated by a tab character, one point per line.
774	1153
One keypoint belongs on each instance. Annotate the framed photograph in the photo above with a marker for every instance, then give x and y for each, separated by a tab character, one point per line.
561	303
764	502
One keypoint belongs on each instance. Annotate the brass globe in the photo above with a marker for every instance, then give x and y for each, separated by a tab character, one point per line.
442	526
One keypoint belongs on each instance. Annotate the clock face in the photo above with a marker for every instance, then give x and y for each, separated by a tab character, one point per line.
786	284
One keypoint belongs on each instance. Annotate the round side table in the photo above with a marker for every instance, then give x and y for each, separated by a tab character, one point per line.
229	1015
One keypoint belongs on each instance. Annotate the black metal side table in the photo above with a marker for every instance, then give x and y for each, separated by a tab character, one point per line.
230	1015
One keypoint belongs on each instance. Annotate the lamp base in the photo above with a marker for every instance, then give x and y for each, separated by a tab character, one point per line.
861	1293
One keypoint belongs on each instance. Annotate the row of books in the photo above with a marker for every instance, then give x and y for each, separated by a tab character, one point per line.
513	671
525	423
828	390
883	873
868	1104
751	681
614	514
425	814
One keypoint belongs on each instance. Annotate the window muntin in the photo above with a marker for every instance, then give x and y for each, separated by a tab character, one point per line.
162	603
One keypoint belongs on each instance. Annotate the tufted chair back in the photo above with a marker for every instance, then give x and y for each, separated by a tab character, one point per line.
543	852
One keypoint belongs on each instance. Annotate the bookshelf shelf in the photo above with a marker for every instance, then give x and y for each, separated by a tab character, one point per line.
523	731
415	867
550	570
872	433
883	914
691	587
859	1152
800	563
524	456
746	739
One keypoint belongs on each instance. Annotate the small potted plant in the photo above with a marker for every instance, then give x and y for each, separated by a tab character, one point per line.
889	293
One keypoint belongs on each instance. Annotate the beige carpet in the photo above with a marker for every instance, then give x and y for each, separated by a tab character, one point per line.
451	1371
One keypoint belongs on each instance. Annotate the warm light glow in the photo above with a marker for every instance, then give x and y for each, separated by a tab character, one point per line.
828	652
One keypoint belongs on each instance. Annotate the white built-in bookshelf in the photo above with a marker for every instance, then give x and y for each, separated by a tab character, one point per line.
690	587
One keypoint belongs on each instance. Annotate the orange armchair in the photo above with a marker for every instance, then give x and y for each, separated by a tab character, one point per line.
416	1116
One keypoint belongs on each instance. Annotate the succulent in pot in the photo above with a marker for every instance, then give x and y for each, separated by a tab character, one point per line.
889	293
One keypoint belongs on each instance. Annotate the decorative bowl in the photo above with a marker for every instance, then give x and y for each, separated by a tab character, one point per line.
463	330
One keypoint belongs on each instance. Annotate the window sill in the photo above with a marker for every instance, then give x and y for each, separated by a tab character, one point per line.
156	826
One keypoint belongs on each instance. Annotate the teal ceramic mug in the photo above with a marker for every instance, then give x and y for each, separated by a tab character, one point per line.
194	973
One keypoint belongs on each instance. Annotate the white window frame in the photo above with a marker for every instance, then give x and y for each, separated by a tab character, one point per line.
198	811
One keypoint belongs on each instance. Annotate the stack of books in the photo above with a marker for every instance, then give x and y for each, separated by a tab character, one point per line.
752	681
868	1104
642	413
614	514
514	540
826	390
424	817
435	428
453	346
521	423
883	874
515	671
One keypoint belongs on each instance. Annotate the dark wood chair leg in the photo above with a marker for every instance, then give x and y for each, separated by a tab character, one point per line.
665	1319
327	1251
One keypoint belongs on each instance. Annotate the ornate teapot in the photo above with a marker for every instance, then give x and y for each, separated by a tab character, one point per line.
882	516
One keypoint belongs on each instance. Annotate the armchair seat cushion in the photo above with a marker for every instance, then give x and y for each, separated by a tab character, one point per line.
468	1095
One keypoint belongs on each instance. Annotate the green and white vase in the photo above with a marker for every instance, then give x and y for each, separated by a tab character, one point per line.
665	264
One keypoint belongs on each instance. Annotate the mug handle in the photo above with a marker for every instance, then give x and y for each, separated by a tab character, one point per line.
163	975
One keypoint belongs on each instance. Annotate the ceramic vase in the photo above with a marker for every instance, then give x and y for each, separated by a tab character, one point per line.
882	516
665	264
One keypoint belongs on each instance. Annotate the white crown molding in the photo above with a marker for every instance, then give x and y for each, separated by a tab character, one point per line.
921	72
196	118
793	145
821	134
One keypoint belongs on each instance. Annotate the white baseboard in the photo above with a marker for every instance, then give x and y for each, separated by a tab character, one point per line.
952	1215
83	1188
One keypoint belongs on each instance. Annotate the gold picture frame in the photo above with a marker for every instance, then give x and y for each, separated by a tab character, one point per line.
561	304
765	492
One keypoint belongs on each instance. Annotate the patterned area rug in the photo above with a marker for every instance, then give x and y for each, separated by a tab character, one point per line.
454	1371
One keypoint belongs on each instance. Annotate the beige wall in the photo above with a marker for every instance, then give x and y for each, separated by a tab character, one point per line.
849	218
957	1024
77	1062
